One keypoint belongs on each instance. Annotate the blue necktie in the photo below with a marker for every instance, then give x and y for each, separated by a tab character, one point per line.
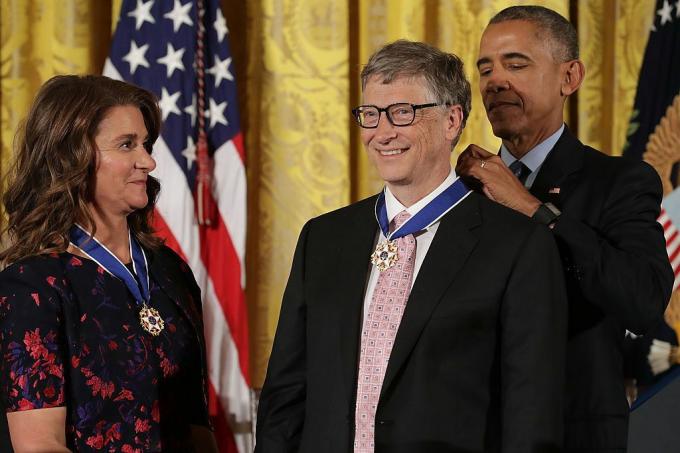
520	170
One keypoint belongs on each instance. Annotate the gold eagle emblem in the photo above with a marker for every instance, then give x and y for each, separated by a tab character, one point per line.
662	153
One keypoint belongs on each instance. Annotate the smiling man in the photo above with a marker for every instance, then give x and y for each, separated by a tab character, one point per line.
426	318
601	210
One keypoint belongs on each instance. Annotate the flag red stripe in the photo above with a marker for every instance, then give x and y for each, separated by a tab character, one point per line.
224	268
164	231
238	144
673	254
672	237
223	432
666	224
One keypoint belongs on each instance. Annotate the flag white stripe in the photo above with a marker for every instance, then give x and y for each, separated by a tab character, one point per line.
111	71
673	245
225	372
675	263
669	231
229	190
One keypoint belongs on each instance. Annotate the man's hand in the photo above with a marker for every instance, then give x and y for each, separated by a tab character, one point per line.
496	180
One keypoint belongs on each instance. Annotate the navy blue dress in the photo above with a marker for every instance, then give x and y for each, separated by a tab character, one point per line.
70	336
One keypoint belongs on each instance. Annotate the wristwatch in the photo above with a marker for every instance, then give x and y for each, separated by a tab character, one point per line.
547	214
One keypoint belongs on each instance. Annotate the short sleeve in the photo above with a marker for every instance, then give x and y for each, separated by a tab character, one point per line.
32	374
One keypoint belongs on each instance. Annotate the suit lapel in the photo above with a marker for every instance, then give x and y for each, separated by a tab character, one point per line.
448	252
356	247
552	183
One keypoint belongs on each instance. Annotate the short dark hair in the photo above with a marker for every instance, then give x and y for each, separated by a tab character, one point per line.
52	177
561	31
443	72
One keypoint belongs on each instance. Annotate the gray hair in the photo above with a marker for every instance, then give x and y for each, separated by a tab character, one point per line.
561	32
443	72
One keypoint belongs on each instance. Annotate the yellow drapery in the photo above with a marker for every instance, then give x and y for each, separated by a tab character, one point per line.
297	64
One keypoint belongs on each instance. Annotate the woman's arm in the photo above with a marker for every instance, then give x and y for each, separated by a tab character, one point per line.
39	430
32	372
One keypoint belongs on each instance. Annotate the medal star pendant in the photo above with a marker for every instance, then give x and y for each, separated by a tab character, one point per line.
151	320
385	255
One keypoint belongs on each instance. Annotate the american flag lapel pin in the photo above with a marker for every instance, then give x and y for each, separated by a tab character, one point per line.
554	190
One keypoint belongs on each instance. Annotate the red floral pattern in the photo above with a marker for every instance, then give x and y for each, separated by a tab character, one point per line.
70	337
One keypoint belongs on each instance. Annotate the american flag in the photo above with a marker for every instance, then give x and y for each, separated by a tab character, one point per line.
158	45
670	220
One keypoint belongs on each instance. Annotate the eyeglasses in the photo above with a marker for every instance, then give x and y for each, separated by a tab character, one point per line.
400	114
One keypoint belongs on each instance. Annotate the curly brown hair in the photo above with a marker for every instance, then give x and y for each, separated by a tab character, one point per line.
52	177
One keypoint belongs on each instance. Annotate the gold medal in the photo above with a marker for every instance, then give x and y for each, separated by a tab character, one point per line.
151	320
385	255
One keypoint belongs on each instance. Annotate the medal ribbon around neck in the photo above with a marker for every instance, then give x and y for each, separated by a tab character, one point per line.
385	255
137	285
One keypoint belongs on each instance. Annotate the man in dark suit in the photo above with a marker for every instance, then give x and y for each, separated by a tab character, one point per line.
601	210
424	319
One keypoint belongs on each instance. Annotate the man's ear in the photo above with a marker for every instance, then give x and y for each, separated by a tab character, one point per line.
454	121
572	72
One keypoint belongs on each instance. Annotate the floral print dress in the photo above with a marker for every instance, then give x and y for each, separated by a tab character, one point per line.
70	336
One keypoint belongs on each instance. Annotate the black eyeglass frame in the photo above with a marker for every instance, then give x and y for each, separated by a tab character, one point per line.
415	107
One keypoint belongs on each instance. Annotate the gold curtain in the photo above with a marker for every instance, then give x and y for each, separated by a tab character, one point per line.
612	50
39	39
297	64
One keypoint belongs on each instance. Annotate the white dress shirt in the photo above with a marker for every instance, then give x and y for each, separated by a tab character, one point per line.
534	158
423	239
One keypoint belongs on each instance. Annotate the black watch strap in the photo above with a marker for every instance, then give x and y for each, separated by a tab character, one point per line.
547	214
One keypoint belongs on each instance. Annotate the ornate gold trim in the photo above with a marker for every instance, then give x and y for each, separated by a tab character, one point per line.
662	153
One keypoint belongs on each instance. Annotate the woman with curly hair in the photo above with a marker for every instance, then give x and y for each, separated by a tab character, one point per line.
100	323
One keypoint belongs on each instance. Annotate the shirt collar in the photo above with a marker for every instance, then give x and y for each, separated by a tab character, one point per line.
535	157
394	206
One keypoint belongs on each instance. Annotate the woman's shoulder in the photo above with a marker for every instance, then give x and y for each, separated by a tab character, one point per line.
166	257
166	253
32	270
168	264
32	287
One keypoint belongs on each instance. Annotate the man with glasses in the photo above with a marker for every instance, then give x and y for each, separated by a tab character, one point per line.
425	318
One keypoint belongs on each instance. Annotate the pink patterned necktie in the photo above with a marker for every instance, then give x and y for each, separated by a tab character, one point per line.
377	337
